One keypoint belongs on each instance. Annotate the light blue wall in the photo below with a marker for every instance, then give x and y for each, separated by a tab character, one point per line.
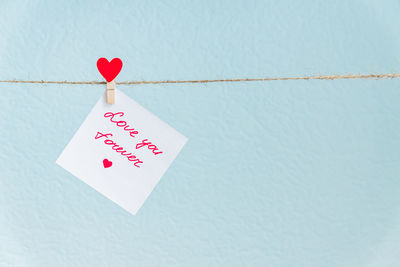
290	173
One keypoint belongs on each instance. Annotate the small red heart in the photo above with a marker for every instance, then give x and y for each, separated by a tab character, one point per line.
109	70
107	163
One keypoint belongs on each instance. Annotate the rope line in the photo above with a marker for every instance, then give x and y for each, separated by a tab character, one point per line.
323	77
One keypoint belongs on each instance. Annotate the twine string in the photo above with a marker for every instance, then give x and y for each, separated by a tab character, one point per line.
322	77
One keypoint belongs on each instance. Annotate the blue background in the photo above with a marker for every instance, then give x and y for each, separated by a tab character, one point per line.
285	173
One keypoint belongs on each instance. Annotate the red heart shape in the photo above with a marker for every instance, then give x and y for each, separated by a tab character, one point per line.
107	163
109	70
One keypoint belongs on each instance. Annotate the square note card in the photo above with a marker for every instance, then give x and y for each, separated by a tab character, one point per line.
122	151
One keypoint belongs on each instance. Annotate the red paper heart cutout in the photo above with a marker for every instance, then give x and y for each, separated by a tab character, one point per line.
109	70
107	163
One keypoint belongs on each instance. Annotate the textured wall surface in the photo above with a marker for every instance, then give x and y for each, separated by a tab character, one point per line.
291	173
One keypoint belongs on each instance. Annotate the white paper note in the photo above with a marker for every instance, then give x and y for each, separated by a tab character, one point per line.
122	151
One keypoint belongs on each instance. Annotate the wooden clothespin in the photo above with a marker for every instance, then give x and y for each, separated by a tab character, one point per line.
109	70
110	92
